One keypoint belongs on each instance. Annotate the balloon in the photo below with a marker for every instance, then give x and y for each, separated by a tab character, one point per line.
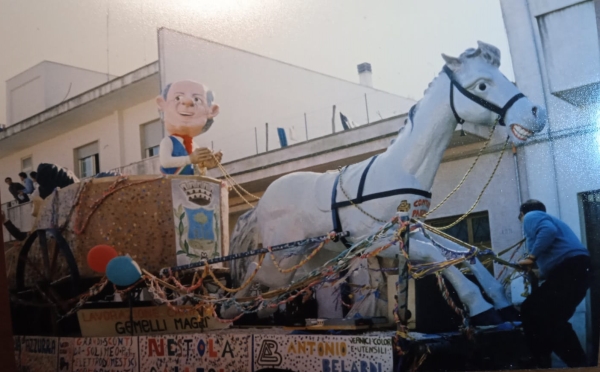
99	256
123	271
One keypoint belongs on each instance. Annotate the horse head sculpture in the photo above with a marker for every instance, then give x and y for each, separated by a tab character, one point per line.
473	82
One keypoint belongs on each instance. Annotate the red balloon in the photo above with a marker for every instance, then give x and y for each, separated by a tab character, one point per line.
99	256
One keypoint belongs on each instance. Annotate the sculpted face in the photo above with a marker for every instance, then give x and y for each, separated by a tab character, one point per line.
185	109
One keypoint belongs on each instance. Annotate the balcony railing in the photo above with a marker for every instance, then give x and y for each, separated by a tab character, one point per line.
19	215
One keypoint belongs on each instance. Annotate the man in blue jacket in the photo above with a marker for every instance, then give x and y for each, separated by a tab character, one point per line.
564	266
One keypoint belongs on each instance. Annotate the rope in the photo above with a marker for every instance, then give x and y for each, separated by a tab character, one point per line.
299	265
233	183
487	142
446	294
518	245
482	191
244	285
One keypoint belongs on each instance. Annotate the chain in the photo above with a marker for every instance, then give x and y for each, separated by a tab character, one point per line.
356	205
487	142
482	191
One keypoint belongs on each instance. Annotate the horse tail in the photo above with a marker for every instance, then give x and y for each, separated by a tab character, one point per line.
244	238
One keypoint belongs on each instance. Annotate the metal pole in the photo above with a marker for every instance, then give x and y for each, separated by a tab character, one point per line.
367	108
403	277
267	135
306	126
256	139
6	336
333	120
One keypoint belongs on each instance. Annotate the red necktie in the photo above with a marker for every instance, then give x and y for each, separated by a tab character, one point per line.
187	142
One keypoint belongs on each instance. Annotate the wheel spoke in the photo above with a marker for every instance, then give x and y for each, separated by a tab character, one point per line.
53	262
34	267
44	250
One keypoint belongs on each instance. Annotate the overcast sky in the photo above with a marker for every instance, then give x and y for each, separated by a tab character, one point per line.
402	39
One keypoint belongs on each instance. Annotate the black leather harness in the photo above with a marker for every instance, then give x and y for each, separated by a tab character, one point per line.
501	111
360	198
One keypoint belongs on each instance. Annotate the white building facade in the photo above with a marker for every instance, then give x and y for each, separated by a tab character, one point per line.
556	60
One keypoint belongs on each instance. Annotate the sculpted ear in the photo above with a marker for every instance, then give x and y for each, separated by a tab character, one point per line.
452	62
214	110
490	53
160	102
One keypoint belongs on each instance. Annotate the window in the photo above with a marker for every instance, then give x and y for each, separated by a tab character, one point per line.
151	135
475	230
88	160
27	165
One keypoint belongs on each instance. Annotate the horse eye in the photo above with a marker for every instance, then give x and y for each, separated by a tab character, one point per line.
482	86
178	98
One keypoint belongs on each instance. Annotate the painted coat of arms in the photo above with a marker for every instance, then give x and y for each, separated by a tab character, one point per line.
196	208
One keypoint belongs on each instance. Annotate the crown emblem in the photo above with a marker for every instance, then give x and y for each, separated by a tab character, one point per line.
404	206
197	192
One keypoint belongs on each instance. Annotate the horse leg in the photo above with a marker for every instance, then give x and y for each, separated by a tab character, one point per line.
370	301
493	288
270	276
480	311
495	291
231	311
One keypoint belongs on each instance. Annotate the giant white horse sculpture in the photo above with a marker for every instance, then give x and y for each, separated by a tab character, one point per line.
299	205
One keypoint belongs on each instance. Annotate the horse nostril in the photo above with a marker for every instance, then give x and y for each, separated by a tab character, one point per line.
534	110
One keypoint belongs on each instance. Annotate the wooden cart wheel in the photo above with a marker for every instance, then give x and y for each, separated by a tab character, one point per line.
47	272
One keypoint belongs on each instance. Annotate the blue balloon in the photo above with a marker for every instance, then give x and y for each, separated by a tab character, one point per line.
123	271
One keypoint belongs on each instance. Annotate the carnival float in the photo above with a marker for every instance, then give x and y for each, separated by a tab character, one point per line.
139	273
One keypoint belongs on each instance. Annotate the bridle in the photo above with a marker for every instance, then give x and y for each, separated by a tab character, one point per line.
501	111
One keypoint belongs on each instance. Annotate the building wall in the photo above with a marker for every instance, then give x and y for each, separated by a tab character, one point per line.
118	137
45	85
556	57
132	119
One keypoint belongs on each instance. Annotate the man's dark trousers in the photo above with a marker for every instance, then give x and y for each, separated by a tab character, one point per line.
546	313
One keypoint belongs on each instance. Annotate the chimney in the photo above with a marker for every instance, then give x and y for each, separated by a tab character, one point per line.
365	74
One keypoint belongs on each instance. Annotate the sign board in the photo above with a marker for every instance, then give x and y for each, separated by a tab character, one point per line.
146	320
323	353
198	219
195	353
102	354
36	354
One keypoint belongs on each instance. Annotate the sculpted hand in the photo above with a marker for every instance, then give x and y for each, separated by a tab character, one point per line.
213	162
200	155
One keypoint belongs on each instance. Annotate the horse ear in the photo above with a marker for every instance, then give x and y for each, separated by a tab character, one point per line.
490	52
452	62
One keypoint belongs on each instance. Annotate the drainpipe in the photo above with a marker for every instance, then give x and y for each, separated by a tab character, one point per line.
514	151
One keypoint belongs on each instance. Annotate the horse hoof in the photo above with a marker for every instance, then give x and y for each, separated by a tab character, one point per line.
266	312
510	314
487	318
